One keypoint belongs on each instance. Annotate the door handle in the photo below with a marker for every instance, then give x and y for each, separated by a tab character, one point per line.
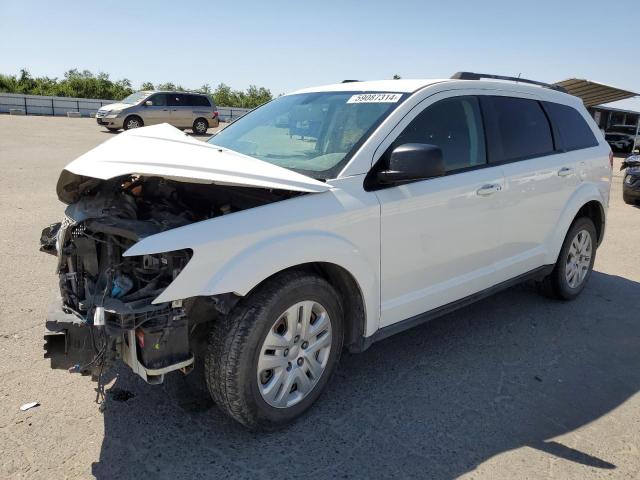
565	171
490	189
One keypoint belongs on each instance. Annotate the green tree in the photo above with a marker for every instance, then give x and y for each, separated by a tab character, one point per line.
85	84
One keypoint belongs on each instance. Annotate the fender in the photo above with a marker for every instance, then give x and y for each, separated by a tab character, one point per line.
235	253
585	193
243	272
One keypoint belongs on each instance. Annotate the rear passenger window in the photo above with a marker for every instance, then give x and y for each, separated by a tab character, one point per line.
176	99
574	130
517	128
454	125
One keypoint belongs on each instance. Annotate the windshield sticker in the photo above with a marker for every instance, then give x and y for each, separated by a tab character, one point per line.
375	98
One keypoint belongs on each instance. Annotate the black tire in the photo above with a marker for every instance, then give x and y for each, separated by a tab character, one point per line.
236	341
132	121
200	126
555	284
629	200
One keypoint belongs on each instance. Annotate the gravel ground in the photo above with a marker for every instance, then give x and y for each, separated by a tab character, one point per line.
516	386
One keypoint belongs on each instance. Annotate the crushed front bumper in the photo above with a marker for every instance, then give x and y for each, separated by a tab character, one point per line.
75	345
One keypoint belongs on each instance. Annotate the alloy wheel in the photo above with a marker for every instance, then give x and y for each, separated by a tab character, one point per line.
294	354
578	259
200	127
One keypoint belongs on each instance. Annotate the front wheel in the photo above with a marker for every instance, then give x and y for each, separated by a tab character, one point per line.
575	262
270	358
132	122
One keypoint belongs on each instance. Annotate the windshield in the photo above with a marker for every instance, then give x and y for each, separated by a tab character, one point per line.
311	133
135	97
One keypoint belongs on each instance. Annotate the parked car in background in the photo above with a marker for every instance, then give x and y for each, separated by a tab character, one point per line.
631	181
621	138
180	109
329	218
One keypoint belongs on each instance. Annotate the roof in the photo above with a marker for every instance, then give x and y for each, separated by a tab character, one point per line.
594	93
396	86
412	85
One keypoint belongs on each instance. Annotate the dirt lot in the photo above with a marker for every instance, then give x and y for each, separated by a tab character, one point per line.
516	386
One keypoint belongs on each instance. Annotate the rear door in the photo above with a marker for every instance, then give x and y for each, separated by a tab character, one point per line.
539	177
440	236
180	110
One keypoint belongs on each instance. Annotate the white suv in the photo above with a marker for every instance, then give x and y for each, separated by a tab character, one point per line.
326	219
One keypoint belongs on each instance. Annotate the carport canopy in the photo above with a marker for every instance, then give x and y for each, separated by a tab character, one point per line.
594	93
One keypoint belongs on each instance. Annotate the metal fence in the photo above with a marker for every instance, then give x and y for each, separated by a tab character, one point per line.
41	105
60	106
229	114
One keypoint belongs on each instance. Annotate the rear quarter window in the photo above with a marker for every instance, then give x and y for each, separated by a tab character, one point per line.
574	130
201	101
517	128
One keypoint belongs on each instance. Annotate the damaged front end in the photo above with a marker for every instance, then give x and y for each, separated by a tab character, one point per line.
138	184
106	311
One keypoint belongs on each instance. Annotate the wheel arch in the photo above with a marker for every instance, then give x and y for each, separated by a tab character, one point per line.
350	294
585	202
594	210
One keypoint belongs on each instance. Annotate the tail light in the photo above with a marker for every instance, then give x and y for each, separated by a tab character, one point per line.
215	114
611	160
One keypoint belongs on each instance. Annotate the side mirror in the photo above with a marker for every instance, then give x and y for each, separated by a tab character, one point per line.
413	161
148	103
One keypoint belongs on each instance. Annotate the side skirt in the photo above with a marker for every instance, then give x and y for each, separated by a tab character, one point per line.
381	334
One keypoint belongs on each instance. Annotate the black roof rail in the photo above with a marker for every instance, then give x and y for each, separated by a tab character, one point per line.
478	76
350	81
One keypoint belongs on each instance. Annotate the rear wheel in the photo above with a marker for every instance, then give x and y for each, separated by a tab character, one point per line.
200	126
575	262
132	122
270	358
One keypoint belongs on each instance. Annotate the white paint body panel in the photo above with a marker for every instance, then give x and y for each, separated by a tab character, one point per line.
410	248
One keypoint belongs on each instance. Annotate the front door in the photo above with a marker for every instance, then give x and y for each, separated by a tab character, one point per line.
157	112
440	237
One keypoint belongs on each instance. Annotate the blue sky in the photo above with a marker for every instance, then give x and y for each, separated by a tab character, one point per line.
286	45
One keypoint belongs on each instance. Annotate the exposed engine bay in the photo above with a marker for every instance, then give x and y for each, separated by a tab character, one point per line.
106	311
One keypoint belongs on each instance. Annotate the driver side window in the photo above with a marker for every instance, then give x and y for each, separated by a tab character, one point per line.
159	100
453	124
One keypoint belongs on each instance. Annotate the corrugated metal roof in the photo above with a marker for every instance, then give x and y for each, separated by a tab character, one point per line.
593	93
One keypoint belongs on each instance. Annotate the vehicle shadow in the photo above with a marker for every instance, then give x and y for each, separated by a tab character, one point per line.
513	370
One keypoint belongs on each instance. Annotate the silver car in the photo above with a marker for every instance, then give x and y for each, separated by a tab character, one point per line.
180	109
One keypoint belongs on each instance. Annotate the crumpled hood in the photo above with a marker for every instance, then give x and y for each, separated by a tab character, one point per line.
115	106
165	151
